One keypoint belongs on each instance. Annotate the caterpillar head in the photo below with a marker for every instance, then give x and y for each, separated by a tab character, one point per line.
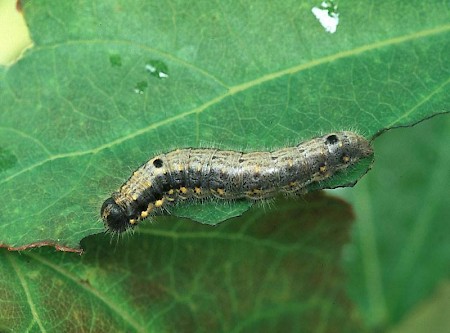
114	216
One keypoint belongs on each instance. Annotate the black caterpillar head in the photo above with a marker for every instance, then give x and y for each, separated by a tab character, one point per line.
114	216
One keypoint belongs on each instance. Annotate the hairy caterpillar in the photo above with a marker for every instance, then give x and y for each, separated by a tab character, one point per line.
204	173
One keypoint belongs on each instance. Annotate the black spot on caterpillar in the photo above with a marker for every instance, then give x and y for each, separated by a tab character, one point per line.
195	173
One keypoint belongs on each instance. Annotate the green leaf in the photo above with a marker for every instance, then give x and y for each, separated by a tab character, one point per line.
430	316
83	108
275	271
401	240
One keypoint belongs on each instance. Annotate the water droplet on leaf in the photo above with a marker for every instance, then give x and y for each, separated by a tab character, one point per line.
157	68
140	87
7	159
115	60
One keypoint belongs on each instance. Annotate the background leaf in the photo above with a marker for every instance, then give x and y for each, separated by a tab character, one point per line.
431	315
401	239
270	271
80	110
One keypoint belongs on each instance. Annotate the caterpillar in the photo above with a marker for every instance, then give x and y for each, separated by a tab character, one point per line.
196	173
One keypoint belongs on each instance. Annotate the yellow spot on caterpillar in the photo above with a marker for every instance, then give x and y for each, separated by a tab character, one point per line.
323	168
180	167
257	169
144	214
159	203
132	221
254	193
134	196
183	190
197	190
221	191
291	163
345	159
171	191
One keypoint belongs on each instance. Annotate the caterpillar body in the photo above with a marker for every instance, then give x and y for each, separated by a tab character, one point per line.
195	173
